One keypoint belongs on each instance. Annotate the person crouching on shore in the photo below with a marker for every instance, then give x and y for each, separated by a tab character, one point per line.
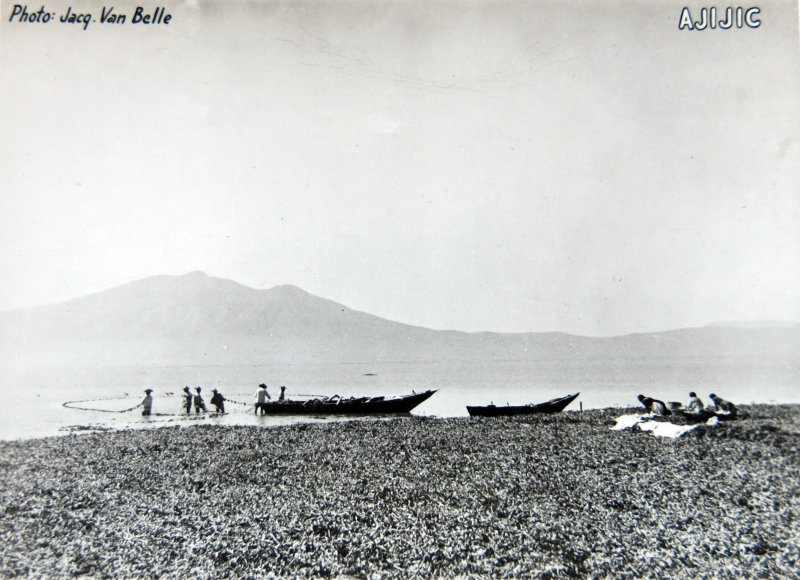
261	399
218	401
655	406
187	400
723	407
147	403
199	403
695	405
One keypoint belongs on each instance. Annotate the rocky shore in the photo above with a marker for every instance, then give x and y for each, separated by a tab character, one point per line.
515	497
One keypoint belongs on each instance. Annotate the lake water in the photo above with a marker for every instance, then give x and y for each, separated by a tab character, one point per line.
33	398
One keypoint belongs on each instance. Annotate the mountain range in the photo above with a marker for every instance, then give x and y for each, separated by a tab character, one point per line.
196	319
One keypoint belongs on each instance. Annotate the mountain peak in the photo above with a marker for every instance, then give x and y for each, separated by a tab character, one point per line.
197	319
288	289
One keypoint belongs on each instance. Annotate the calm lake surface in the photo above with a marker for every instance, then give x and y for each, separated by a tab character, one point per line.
33	398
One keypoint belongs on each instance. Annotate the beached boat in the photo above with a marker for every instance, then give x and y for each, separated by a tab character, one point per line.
347	406
552	406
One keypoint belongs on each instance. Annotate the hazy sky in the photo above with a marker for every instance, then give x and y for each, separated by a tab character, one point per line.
508	166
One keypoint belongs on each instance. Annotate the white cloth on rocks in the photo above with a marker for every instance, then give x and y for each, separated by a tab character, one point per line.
658	428
661	429
627	422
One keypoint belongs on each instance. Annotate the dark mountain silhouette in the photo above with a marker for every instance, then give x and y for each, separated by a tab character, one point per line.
195	319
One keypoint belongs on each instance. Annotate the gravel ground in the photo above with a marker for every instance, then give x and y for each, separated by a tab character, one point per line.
533	496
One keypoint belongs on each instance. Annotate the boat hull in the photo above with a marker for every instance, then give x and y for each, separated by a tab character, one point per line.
552	406
352	406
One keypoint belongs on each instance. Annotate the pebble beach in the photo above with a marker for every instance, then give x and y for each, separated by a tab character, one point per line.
537	496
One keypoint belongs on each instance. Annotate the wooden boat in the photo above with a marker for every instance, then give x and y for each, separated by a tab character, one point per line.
552	406
337	405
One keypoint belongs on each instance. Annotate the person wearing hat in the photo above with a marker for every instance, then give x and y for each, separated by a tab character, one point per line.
283	393
147	402
261	399
187	400
199	404
218	401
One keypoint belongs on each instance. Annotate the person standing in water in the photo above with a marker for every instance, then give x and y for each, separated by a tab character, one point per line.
187	400
147	403
261	399
283	393
218	401
199	404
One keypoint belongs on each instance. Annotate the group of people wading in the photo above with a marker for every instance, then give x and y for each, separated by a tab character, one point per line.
196	399
217	399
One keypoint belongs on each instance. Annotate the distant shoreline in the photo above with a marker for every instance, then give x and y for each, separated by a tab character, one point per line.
174	320
183	421
521	496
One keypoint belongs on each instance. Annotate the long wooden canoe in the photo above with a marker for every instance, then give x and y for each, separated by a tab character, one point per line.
552	406
347	406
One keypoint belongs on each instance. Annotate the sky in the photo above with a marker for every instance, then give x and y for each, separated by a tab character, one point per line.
511	166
